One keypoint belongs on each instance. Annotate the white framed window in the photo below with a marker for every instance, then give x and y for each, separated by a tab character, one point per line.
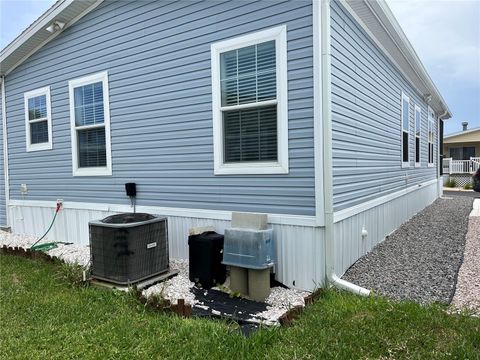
431	137
90	125
418	132
38	119
249	102
405	136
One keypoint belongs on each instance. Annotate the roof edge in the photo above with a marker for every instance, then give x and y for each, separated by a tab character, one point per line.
382	4
37	25
461	133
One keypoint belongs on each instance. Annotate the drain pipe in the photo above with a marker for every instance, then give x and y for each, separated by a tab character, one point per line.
332	277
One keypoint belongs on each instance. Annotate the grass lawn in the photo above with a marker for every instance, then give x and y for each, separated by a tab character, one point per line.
43	316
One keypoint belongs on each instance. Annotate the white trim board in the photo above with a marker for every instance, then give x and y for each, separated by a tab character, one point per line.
45	91
279	35
5	150
349	212
281	219
318	89
72	84
418	110
405	97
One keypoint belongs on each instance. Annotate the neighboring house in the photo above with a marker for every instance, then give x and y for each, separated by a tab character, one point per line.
462	145
319	114
461	154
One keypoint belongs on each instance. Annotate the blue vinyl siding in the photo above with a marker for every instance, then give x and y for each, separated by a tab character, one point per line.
366	105
157	55
3	205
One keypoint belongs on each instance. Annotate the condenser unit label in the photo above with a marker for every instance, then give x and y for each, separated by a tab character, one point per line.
151	245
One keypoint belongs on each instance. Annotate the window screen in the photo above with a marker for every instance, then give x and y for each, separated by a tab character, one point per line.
250	135
431	136
89	104
38	120
91	148
248	76
405	130
89	122
418	118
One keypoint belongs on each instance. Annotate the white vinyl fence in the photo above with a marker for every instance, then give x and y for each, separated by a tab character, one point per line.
451	166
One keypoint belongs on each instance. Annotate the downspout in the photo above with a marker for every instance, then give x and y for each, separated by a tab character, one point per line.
5	151
332	277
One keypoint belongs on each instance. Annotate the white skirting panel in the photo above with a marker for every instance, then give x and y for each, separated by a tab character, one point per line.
379	221
299	248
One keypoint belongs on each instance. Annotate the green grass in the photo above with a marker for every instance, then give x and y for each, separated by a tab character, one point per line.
44	316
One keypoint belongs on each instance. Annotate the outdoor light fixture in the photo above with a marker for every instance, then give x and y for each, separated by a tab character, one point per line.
427	98
55	26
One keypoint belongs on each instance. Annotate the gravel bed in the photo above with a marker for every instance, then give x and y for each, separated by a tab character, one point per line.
71	254
420	260
467	293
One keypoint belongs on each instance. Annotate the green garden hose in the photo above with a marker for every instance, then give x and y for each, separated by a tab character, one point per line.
51	245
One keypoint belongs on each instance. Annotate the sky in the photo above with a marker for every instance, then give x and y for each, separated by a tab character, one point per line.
444	33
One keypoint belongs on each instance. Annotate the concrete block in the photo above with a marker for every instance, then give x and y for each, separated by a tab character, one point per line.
239	280
258	284
200	230
249	221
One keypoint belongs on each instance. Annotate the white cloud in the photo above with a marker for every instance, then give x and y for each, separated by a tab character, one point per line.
445	34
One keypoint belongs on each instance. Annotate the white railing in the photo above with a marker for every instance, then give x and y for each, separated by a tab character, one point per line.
451	166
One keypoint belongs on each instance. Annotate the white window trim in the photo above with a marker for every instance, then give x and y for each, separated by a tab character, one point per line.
279	34
42	146
419	109
431	126
405	164
90	171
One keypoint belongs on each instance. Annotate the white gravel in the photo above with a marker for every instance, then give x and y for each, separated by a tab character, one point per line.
71	254
280	301
467	293
178	287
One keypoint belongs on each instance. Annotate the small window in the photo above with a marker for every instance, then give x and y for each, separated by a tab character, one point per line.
405	141
90	125
249	86
38	119
431	137
418	130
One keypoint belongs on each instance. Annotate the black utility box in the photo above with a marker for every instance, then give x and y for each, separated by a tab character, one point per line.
205	259
127	248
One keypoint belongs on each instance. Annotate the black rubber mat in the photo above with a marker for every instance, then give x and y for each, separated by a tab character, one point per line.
222	305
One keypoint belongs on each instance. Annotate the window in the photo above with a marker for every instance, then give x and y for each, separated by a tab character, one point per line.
90	125
418	131
249	88
38	119
462	153
431	136
405	130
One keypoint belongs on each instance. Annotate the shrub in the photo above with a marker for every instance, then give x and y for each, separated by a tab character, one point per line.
468	186
451	183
